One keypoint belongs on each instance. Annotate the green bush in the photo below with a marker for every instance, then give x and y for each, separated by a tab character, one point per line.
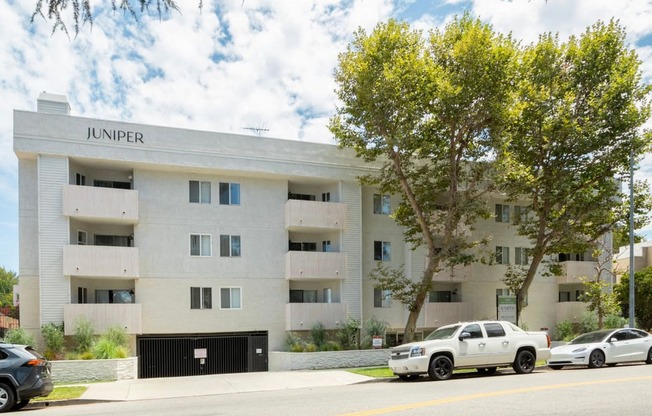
293	342
84	335
19	336
117	335
53	339
105	349
589	322
310	347
373	327
331	346
348	334
614	321
564	330
318	335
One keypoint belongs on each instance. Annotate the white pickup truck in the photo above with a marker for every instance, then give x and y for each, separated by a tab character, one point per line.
484	345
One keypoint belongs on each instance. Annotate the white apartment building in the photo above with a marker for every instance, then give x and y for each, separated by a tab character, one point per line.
200	242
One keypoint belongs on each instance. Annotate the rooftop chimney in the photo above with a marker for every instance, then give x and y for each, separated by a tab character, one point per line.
52	103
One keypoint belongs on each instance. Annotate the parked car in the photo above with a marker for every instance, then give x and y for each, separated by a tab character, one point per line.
24	374
607	346
484	345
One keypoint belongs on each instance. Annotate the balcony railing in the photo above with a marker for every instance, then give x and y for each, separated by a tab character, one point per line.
302	316
437	314
570	311
103	316
307	215
313	265
101	261
458	274
109	205
571	271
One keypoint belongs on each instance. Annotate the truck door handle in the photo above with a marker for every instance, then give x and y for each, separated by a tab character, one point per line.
505	342
482	344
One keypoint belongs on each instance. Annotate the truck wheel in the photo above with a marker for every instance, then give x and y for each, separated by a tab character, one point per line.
441	368
524	362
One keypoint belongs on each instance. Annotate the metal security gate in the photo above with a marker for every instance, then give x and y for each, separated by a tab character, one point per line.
194	355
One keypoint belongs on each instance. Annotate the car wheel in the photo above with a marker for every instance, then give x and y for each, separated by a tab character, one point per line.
556	367
596	359
524	362
408	377
19	405
649	357
487	371
7	399
441	368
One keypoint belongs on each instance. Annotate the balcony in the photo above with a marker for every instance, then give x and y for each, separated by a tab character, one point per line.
314	215
571	311
101	261
458	274
313	265
438	314
571	271
103	316
108	205
302	316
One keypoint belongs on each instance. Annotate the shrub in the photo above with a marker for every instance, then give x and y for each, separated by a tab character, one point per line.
105	349
293	342
373	327
614	321
589	322
116	335
310	347
318	335
19	336
53	339
331	346
564	330
84	334
347	334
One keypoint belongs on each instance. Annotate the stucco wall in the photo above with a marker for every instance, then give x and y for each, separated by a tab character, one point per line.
285	361
75	371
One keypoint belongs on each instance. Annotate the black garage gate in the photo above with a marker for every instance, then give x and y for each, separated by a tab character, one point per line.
194	355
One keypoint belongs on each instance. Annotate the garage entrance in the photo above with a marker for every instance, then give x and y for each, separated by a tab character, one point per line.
194	355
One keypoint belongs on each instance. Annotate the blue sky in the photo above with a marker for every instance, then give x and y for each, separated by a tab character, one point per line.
237	64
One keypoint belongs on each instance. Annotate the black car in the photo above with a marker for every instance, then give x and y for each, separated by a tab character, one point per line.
24	374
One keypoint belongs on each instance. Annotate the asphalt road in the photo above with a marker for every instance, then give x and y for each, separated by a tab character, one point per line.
621	390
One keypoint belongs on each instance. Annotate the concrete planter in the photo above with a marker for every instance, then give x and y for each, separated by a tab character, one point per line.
79	371
286	361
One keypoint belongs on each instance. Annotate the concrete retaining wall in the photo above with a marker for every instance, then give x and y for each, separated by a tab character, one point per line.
76	371
286	361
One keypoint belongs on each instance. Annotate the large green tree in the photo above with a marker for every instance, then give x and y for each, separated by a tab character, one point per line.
642	296
427	110
7	281
576	121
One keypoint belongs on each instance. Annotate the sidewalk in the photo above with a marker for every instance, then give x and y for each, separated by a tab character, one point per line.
158	388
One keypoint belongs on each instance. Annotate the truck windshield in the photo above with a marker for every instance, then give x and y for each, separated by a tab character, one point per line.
443	333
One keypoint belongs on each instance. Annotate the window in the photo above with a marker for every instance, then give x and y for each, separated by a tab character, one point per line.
474	330
229	246
382	251
494	329
382	204
200	192
113	240
229	193
580	295
382	298
520	214
439	296
82	238
564	296
114	296
326	246
326	197
502	213
521	256
82	295
502	255
80	179
200	245
201	298
303	296
230	298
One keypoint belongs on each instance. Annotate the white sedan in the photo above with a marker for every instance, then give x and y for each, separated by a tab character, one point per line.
607	346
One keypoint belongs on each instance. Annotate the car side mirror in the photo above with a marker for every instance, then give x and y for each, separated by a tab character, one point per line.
613	339
464	335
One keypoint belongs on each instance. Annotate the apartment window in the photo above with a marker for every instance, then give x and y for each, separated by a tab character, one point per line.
326	197
80	179
521	256
82	238
302	246
502	213
200	245
326	246
439	296
382	204
579	295
382	298
231	298
200	192
114	296
229	193
502	255
82	295
113	240
564	296
382	251
201	298
303	296
520	213
229	246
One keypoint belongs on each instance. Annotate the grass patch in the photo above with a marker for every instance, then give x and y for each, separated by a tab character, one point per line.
63	393
376	372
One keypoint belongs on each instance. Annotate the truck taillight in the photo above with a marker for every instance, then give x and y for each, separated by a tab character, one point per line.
35	362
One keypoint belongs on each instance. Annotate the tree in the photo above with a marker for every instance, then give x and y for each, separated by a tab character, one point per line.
8	280
599	295
642	294
579	109
426	111
82	10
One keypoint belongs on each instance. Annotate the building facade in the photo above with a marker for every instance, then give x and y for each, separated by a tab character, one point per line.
180	235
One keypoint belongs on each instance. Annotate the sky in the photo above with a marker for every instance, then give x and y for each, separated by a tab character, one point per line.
238	66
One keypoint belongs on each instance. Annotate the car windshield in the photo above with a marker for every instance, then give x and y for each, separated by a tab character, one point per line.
443	333
596	336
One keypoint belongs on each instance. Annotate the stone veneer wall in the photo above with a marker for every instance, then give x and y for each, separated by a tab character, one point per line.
285	361
75	371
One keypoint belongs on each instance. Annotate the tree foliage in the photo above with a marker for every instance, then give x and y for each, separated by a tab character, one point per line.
8	280
577	116
427	112
642	296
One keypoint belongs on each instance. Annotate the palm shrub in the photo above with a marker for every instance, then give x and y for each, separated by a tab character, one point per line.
113	344
19	336
53	339
84	335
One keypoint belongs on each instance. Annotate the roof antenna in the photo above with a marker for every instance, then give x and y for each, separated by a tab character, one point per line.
258	130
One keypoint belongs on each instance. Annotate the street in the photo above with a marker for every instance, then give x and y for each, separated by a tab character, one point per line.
620	390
